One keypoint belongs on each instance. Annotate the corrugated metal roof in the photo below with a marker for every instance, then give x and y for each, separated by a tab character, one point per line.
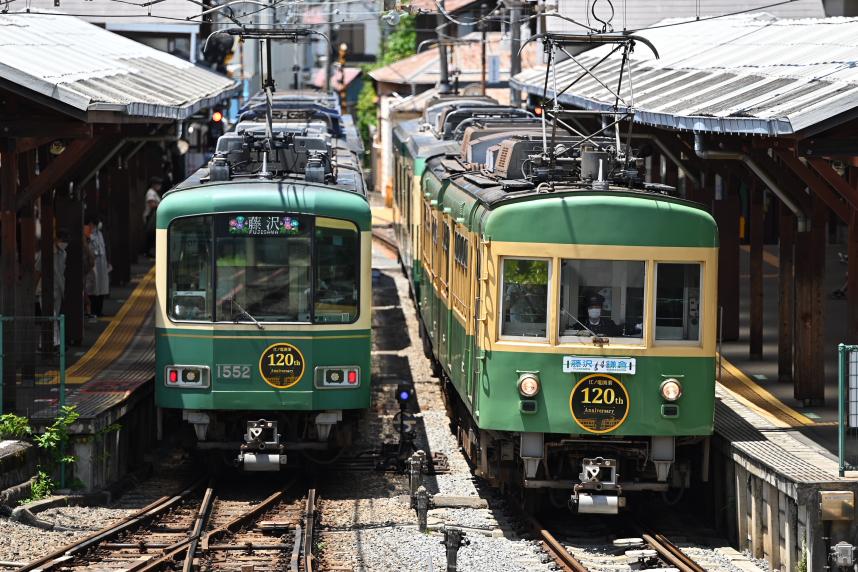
160	13
634	14
742	74
91	69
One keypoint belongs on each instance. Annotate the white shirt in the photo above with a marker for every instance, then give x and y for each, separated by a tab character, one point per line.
151	195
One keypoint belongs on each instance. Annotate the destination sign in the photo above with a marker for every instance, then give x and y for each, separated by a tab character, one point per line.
591	364
264	225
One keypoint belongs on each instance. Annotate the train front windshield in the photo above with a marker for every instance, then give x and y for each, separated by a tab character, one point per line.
266	268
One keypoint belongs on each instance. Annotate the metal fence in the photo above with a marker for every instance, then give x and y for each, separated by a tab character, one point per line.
847	374
32	365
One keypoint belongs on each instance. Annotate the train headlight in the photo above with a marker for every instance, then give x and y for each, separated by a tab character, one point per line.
528	384
671	389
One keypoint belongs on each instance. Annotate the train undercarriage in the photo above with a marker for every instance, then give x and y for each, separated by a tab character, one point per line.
262	440
586	474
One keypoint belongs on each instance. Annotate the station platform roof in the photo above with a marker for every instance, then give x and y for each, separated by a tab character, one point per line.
100	76
750	74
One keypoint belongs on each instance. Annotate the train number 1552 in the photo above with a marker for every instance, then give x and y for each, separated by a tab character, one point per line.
230	371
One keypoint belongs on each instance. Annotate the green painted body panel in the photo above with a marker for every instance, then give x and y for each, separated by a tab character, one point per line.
605	218
242	196
498	398
331	348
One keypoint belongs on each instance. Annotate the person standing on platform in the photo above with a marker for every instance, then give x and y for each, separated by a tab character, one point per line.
88	265
61	243
152	200
98	281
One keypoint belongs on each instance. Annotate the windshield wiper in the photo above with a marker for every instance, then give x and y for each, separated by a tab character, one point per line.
246	313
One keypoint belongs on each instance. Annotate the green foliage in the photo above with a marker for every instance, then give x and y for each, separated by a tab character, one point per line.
365	111
43	487
400	43
801	566
525	272
14	426
56	436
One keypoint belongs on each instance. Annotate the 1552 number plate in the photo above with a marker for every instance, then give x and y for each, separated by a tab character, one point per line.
233	371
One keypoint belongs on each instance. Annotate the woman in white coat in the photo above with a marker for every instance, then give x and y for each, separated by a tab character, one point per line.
98	281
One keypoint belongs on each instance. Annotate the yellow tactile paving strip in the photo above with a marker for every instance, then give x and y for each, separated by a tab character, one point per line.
114	340
759	399
382	216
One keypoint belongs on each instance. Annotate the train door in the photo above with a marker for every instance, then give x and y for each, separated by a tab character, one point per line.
443	308
479	298
407	216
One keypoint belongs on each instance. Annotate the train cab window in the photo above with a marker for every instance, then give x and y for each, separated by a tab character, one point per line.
677	301
190	269
337	271
262	268
524	299
602	298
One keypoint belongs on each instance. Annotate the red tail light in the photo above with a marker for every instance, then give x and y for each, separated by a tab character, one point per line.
352	376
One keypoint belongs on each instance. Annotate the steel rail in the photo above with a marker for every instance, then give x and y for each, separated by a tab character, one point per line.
236	523
671	553
139	518
309	531
550	544
170	552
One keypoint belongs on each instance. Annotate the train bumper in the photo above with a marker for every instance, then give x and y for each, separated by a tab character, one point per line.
261	461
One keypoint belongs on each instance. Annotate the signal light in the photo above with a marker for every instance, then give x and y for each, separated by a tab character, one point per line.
217	116
173	376
352	377
404	392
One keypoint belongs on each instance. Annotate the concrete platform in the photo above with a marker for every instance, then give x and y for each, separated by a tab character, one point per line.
110	383
776	471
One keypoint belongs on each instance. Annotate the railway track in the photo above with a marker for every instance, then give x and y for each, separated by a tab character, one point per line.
653	552
203	527
647	551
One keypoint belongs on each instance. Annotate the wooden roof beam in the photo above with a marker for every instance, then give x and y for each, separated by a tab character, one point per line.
56	170
843	188
815	184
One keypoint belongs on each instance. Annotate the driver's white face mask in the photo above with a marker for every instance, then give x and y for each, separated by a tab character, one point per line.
594	313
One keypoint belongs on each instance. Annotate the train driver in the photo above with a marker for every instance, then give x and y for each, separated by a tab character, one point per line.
596	322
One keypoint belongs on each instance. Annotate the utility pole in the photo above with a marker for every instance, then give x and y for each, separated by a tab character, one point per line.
329	50
483	11
514	45
444	83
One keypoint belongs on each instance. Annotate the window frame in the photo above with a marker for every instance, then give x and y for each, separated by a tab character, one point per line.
612	340
702	277
546	339
313	257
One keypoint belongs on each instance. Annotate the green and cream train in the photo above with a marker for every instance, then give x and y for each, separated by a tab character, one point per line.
263	289
569	307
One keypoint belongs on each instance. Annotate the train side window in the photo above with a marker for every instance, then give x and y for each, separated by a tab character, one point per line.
524	299
677	301
460	283
337	271
603	298
190	269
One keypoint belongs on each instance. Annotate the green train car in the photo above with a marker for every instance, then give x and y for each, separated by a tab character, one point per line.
264	290
572	317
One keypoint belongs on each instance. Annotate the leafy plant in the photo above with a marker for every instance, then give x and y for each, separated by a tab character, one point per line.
399	44
801	566
56	436
42	487
14	426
